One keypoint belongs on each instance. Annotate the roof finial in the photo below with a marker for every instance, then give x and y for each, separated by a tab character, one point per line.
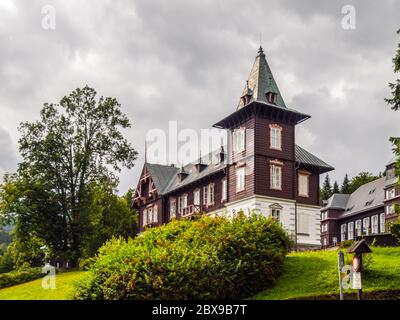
145	151
260	50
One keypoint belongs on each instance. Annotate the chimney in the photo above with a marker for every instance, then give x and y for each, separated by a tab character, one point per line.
182	173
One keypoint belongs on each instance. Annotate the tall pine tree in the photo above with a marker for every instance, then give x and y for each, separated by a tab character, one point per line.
326	190
345	188
335	188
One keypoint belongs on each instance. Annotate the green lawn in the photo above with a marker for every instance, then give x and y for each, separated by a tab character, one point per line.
33	290
312	274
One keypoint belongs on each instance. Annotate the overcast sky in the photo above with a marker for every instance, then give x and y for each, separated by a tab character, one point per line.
189	60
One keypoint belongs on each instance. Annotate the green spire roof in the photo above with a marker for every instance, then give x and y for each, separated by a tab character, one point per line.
260	82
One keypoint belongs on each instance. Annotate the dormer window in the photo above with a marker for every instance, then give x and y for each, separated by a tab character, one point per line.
271	97
275	137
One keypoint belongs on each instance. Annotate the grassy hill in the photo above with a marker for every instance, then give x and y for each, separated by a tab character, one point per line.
33	290
315	274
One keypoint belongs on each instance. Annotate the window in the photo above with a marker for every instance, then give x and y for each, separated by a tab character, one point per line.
343	232
303	226
350	230
324	215
358	228
390	193
276	137
240	179
196	197
390	209
144	217
276	177
276	214
324	227
155	214
303	185
224	190
375	224
150	215
210	200
334	240
182	203
382	222
366	226
205	195
324	242
239	140
172	208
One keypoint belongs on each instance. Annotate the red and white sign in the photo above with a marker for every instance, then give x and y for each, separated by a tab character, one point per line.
356	264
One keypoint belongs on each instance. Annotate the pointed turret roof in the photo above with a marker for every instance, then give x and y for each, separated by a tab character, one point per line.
260	82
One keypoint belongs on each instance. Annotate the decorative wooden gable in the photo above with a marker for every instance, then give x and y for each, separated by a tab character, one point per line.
146	189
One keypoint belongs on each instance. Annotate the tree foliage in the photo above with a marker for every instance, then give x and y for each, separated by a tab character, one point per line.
68	155
326	191
345	187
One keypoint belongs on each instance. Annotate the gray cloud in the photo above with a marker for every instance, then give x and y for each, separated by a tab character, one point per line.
189	60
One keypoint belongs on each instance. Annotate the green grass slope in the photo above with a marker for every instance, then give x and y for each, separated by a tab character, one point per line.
313	274
33	290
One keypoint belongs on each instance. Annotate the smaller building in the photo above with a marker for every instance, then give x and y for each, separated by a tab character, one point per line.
365	212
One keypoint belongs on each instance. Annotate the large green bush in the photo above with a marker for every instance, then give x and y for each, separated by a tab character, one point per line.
19	276
208	258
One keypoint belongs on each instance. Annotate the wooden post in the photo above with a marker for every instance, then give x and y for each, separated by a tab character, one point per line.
359	291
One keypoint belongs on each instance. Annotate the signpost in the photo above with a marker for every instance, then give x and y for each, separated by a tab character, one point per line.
358	249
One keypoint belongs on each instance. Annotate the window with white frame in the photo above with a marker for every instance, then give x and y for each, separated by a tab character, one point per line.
366	226
240	179
239	139
303	184
224	194
375	224
210	199
155	214
390	193
182	203
358	228
276	214
343	232
350	230
303	226
150	215
276	137
382	222
205	195
390	209
334	241
276	177
144	217
324	242
324	227
172	208
196	197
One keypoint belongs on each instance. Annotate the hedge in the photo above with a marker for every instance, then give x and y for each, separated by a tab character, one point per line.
19	276
208	258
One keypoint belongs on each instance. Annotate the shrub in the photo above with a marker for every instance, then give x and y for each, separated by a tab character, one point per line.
208	258
346	244
84	264
19	276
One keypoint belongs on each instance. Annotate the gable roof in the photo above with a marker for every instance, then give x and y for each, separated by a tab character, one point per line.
161	175
261	81
307	158
369	196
